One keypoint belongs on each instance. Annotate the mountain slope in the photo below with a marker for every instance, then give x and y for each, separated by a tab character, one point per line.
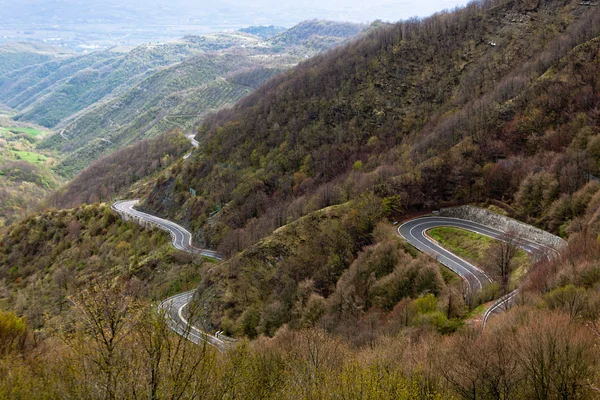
421	109
16	56
25	172
181	93
96	81
20	88
395	119
495	103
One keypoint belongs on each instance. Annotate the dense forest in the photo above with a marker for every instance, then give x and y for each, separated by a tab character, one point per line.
114	174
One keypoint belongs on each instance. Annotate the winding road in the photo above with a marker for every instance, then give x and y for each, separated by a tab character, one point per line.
415	233
194	143
182	238
174	306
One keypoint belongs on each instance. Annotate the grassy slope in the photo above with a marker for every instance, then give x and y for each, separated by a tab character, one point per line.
30	156
25	175
34	132
474	248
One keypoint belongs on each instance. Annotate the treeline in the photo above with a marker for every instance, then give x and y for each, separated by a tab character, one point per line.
253	77
263	31
307	29
113	174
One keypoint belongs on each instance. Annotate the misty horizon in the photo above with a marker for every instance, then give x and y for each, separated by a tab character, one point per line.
83	25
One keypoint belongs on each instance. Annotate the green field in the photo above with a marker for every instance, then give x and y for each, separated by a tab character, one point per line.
30	156
30	131
473	247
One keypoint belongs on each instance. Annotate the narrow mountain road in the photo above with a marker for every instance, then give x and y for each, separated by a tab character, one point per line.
414	232
194	143
174	307
182	238
174	313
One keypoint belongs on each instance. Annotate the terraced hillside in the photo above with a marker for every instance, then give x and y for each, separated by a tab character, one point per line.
100	102
15	56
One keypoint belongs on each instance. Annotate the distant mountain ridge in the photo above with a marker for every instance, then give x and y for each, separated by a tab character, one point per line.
100	102
15	56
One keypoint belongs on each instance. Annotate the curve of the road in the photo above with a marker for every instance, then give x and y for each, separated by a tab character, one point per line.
194	142
415	233
174	307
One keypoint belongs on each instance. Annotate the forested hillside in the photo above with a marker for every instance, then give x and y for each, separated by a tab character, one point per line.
51	92
104	101
317	34
458	107
51	256
300	184
116	173
16	56
264	32
497	102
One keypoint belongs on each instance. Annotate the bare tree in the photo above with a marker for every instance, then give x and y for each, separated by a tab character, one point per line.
108	313
501	259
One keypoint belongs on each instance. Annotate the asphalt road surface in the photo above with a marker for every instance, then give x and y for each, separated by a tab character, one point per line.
175	307
193	141
182	238
414	231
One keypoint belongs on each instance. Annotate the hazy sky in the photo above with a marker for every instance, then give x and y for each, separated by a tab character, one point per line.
104	23
389	10
255	11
